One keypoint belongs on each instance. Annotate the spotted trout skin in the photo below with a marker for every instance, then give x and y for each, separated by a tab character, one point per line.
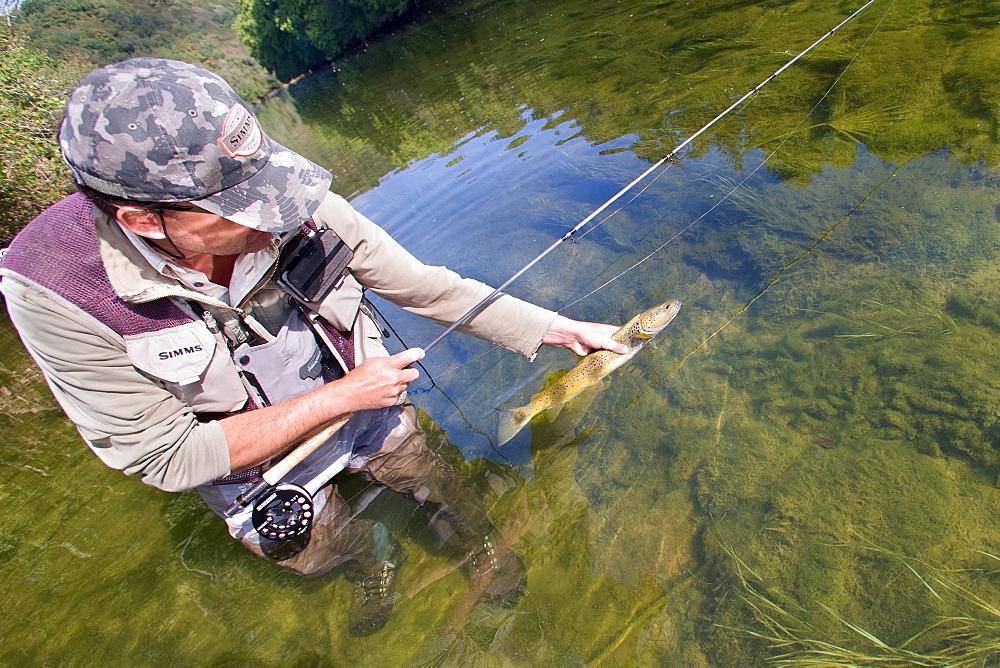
591	369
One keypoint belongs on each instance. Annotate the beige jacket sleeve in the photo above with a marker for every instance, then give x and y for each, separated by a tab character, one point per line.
437	293
130	421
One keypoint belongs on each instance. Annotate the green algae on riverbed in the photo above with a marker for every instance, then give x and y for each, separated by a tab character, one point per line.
639	509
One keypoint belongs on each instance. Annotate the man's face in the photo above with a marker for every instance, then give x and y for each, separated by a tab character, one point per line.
194	231
203	232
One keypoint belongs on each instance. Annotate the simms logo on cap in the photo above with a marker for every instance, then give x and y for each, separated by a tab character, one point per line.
241	135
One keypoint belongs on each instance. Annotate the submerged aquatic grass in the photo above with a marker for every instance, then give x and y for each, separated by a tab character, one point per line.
860	390
921	320
967	634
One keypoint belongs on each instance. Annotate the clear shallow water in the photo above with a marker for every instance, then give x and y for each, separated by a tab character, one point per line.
658	517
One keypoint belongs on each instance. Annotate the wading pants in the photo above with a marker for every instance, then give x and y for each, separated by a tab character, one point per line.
404	464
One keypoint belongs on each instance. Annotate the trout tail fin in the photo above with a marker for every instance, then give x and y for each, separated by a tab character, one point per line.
509	422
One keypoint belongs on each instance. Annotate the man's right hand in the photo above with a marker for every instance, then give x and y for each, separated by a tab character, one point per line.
256	436
378	382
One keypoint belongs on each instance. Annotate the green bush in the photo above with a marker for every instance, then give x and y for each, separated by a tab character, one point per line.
33	90
290	36
106	31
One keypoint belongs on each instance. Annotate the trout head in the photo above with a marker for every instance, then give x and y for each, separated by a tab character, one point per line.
655	319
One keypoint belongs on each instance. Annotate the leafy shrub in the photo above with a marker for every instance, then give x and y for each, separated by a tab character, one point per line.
33	91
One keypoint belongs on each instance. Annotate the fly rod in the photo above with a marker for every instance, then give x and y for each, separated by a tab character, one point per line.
273	475
481	306
270	479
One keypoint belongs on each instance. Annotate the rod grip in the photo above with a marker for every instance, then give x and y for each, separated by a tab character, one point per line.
274	474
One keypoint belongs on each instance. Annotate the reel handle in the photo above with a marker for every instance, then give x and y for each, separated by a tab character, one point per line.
281	469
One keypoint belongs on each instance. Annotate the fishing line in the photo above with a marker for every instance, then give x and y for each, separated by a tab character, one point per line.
702	216
458	409
717	204
670	163
748	176
434	385
586	433
589	431
481	306
705	213
403	343
496	293
668	160
631	199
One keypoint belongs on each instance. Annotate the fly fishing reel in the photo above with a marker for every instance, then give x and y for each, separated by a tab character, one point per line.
285	513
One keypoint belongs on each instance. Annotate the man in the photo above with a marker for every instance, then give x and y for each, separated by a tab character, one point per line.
168	309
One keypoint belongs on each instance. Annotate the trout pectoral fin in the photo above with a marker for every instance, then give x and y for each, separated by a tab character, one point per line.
509	422
643	335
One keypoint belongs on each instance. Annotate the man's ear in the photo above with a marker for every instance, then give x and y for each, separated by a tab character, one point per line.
141	222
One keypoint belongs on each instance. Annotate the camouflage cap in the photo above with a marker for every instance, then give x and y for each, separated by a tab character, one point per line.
159	130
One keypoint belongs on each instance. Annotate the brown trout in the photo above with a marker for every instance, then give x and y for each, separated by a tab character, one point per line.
591	369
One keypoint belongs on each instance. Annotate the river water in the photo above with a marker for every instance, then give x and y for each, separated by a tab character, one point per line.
804	467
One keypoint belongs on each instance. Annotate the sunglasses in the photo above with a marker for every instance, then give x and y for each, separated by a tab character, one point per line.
184	207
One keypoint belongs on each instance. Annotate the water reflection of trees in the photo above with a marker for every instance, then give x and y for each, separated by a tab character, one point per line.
920	83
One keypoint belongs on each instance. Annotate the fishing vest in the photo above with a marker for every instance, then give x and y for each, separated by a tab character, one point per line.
60	251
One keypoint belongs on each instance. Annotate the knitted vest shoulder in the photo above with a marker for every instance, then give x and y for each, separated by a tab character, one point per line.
59	250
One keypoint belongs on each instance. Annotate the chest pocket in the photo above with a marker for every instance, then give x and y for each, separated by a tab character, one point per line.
287	367
177	355
340	306
186	360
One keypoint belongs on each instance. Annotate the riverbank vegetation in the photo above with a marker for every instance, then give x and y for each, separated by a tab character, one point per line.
33	89
99	32
47	45
288	36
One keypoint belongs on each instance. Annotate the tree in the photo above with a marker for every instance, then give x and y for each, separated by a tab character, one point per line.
271	34
290	36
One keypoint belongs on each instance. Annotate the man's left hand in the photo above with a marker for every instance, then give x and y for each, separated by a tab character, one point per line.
582	337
